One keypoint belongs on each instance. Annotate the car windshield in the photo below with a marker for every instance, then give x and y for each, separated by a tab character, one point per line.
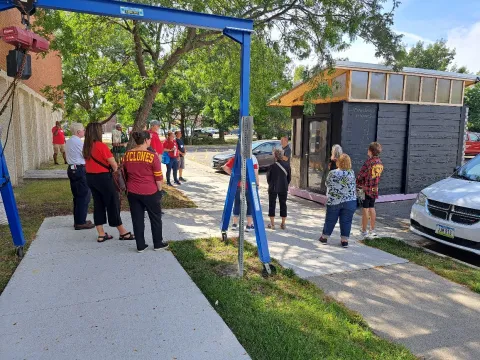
469	171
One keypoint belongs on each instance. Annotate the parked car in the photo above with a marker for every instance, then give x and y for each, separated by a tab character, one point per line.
472	147
201	133
449	211
235	132
262	149
210	130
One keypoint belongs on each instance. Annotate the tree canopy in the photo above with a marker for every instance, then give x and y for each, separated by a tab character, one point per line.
436	56
116	62
472	100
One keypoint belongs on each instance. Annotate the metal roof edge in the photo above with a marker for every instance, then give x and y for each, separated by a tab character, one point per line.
367	66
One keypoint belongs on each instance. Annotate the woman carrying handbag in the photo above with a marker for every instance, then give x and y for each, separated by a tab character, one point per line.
278	177
99	165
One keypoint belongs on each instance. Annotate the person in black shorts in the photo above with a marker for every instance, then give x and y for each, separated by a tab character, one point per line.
368	180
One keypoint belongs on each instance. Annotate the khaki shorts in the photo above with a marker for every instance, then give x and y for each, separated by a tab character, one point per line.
58	148
181	162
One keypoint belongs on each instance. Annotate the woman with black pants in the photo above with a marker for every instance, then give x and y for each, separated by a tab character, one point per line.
278	177
99	164
144	184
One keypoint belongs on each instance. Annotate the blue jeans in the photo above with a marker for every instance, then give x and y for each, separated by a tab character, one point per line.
173	164
236	204
345	212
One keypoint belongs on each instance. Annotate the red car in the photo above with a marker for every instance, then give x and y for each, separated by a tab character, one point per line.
473	145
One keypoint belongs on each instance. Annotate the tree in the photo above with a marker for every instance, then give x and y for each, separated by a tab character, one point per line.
472	100
299	73
153	50
436	56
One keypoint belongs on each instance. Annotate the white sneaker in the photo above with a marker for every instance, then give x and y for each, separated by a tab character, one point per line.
364	235
372	234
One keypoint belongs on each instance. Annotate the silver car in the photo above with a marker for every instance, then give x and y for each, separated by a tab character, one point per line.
262	149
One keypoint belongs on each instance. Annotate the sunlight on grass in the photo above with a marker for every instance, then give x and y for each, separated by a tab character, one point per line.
283	317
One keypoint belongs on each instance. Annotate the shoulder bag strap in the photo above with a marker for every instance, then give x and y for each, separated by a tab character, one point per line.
101	164
281	167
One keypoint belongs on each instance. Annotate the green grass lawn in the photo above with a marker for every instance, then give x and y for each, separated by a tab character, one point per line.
445	267
38	199
283	317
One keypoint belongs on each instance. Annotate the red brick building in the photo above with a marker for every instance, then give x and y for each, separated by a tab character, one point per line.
30	139
46	71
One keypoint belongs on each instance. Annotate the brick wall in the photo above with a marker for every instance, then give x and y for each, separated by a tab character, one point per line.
46	71
30	139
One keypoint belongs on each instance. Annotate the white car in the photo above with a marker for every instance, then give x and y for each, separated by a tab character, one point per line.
449	211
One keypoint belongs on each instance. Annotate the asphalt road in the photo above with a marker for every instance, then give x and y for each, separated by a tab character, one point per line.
396	214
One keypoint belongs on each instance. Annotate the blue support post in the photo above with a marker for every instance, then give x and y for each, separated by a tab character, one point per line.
244	38
9	203
260	234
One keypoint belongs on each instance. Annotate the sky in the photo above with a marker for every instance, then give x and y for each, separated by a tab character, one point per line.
457	21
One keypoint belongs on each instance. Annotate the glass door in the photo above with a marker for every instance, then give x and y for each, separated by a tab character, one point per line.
318	146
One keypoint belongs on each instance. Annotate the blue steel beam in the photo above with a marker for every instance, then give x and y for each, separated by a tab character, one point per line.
4	5
142	12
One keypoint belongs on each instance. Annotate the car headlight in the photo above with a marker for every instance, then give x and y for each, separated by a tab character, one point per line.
421	199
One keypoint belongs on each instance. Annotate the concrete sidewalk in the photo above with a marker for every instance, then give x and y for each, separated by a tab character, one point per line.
71	298
406	303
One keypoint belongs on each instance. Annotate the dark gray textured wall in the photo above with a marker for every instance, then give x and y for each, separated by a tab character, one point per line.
359	129
432	150
392	134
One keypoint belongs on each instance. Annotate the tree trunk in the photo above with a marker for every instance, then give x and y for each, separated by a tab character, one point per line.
182	120
221	135
146	106
144	110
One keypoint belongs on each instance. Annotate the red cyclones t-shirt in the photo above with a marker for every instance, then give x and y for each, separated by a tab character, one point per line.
143	169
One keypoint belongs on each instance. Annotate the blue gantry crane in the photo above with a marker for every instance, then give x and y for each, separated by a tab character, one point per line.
239	30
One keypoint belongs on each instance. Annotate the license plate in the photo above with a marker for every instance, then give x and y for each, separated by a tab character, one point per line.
445	231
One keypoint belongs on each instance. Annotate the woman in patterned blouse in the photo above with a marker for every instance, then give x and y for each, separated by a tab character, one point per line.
341	200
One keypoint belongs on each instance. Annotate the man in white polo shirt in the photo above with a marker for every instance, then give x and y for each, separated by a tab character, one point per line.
77	175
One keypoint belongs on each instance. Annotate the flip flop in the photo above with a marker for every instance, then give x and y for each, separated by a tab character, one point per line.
270	226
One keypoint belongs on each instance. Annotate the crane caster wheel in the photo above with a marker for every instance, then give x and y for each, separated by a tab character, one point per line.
224	237
268	270
20	252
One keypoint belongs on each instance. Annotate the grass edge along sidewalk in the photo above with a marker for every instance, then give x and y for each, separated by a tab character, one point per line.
444	267
39	199
283	317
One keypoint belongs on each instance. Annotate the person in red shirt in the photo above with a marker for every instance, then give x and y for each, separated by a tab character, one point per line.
236	206
155	142
144	185
368	180
58	142
171	146
99	164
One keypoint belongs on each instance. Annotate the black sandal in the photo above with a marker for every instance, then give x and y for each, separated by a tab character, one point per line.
104	238
127	236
